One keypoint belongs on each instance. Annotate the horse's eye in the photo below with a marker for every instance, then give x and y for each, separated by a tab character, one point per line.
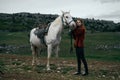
66	16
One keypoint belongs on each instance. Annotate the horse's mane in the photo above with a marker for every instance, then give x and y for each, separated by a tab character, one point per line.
56	21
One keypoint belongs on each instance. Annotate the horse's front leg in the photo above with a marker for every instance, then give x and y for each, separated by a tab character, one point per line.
49	50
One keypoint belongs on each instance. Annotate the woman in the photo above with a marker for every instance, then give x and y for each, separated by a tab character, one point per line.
79	35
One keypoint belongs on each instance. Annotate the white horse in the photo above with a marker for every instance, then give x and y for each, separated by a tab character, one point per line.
53	37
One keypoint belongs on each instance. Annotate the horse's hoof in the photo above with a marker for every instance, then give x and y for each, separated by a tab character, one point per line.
33	64
48	69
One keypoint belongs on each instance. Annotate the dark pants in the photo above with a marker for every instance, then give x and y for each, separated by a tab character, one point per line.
81	57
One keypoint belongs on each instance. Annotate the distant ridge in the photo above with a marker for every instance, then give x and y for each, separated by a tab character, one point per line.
25	21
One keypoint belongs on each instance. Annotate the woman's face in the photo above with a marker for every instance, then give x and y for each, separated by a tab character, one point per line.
78	23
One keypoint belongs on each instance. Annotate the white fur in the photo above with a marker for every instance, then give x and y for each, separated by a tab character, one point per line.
52	39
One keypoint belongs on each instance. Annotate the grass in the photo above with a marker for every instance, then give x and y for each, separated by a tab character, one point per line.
100	46
102	51
15	38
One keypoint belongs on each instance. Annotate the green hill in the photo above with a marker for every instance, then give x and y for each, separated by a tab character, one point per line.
26	21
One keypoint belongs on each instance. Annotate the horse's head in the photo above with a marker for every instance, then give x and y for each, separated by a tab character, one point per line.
68	20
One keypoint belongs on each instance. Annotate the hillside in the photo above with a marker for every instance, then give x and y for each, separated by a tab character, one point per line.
26	21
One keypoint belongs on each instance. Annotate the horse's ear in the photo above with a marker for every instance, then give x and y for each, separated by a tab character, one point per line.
62	12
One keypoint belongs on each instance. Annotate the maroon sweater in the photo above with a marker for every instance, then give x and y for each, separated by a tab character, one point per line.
79	35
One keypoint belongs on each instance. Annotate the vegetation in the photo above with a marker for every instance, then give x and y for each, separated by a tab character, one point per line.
26	21
101	46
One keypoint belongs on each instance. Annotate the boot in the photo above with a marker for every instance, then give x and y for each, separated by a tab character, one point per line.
85	74
77	73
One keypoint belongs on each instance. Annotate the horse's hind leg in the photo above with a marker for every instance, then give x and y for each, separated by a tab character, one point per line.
57	50
33	48
37	56
57	55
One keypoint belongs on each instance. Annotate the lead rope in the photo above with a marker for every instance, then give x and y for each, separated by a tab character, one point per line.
71	47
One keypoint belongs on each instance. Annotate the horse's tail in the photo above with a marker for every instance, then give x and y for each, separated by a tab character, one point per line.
28	35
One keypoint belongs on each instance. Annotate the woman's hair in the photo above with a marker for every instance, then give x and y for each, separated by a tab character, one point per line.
82	23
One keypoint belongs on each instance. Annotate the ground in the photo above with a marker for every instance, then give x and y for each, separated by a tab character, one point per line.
18	67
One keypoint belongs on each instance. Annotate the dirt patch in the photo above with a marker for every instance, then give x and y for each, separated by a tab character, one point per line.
17	67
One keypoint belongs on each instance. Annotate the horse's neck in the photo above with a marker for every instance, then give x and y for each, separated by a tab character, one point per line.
57	21
57	25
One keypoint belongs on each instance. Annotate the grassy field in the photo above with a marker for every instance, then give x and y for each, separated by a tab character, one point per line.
102	51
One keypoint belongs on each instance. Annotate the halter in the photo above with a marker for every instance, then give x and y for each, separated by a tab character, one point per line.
71	47
65	20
